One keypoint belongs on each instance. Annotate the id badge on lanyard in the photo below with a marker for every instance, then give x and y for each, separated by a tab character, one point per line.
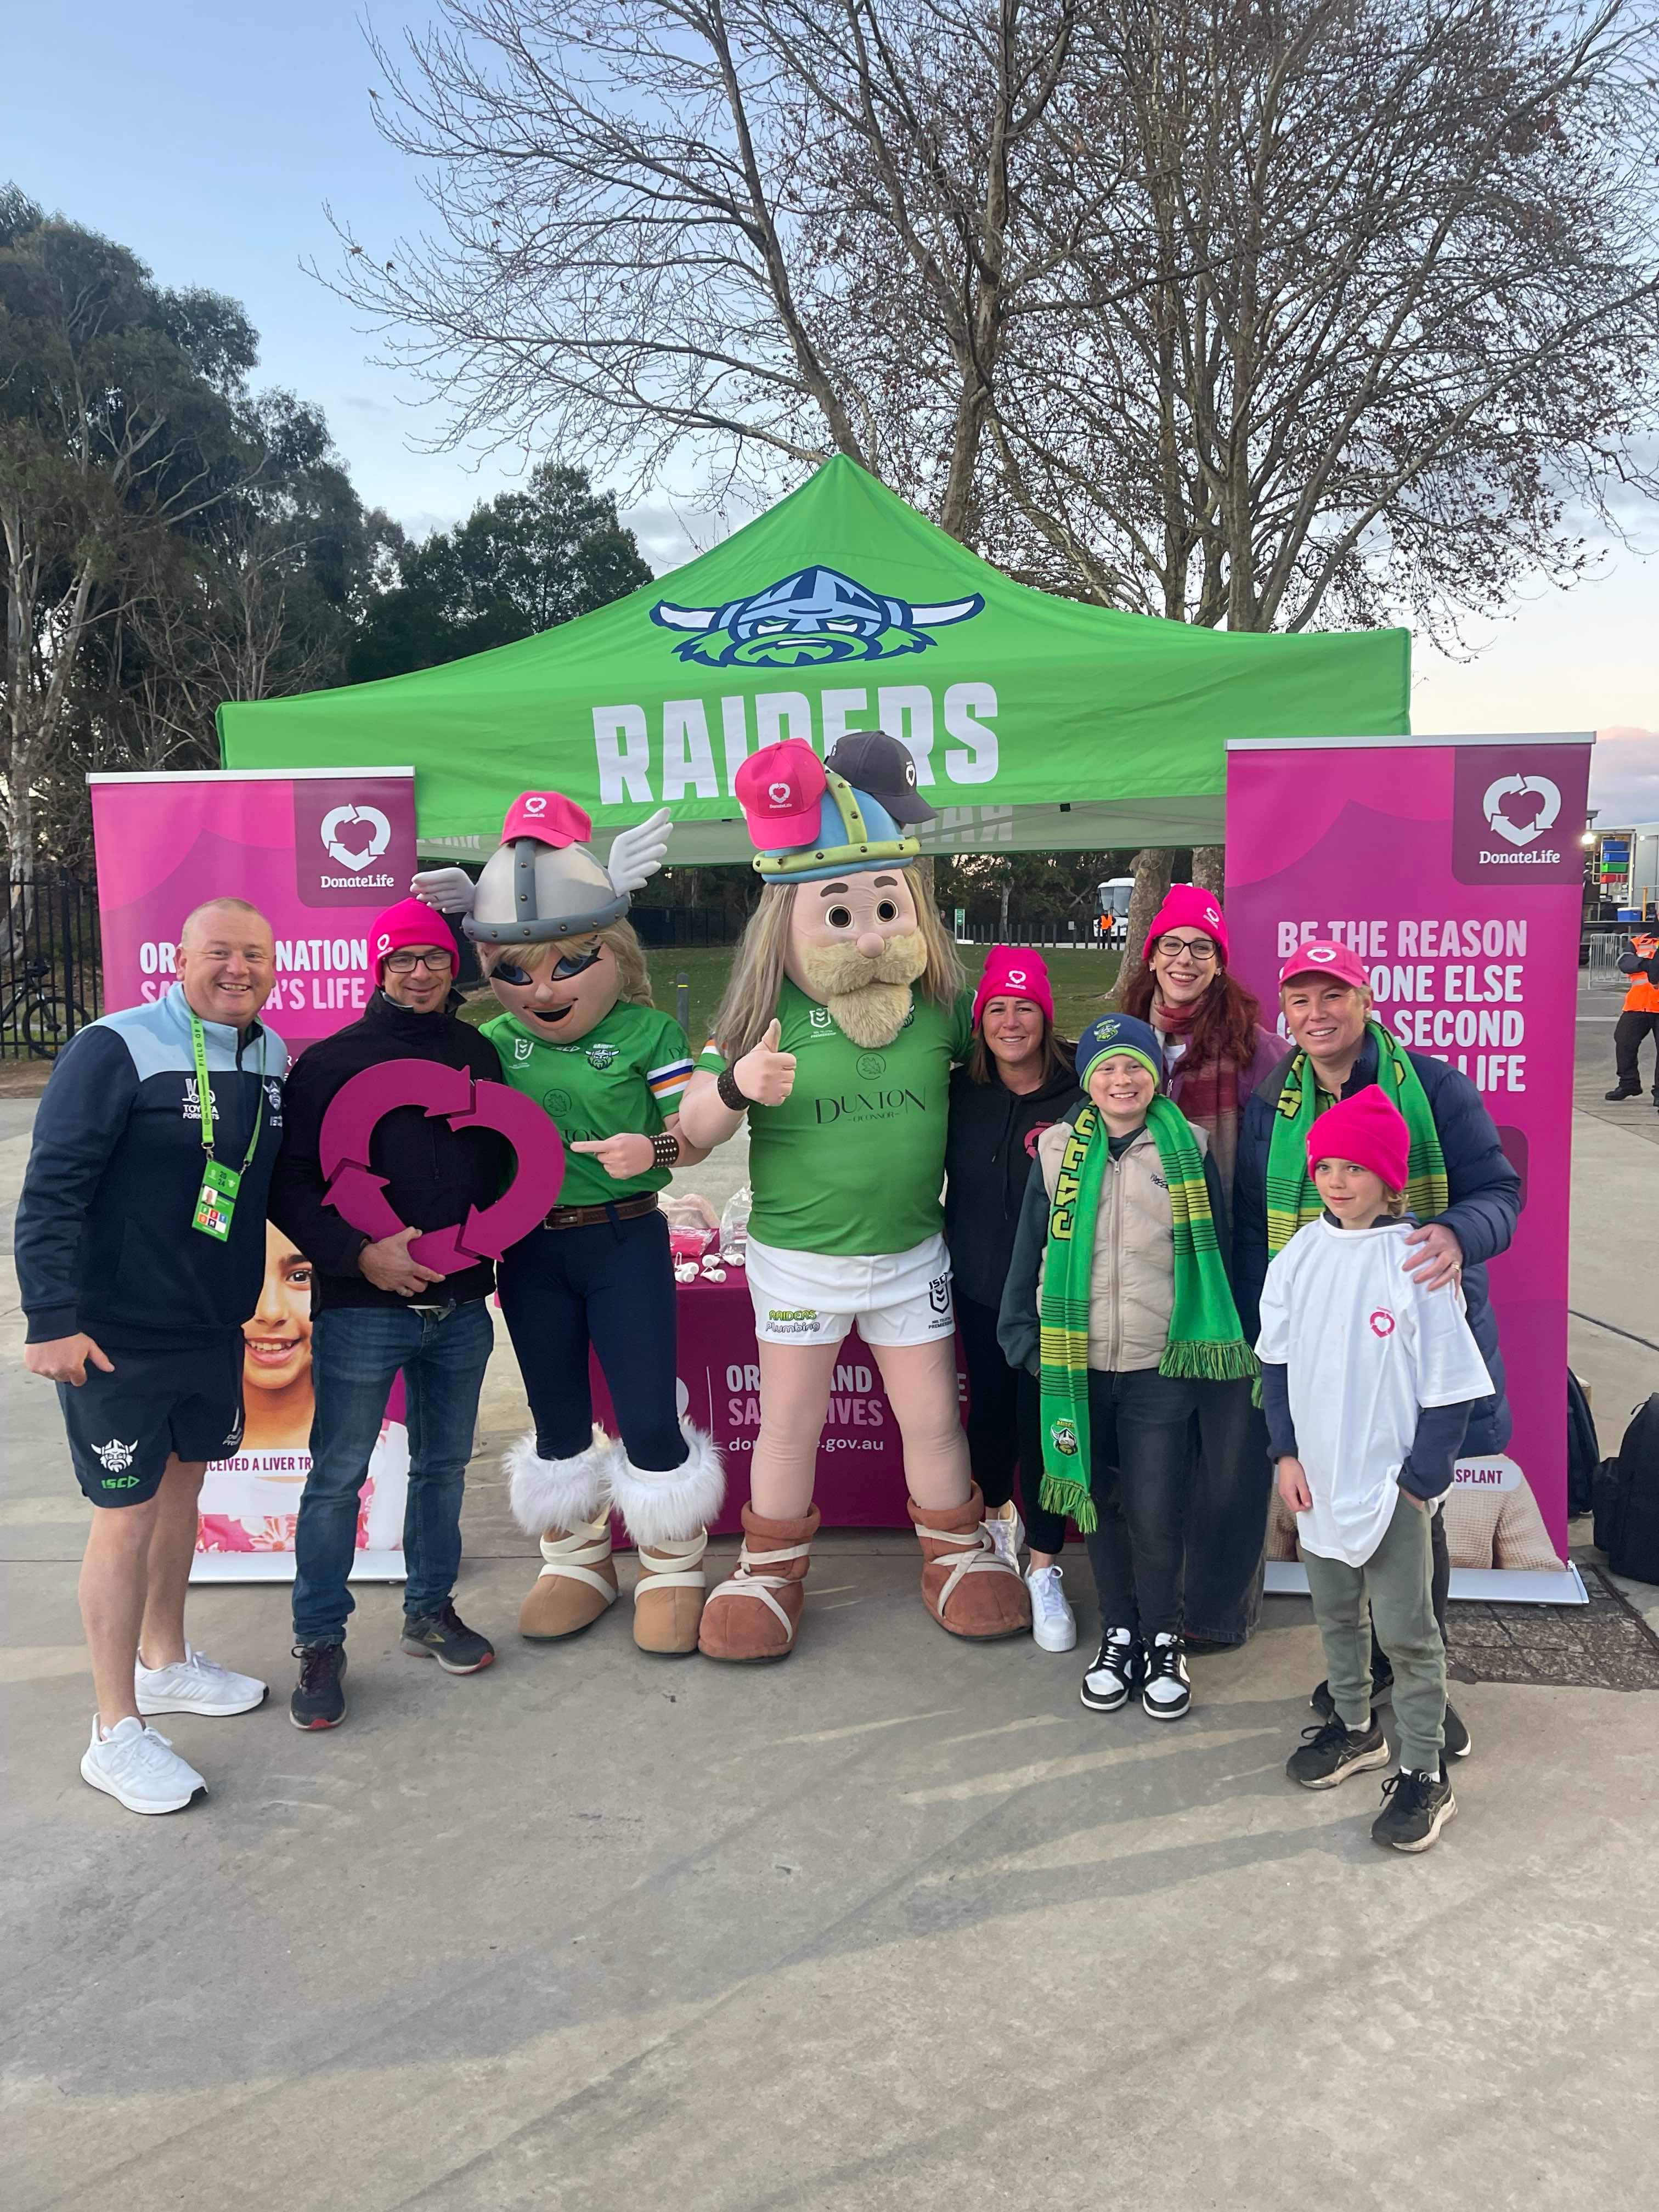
216	1201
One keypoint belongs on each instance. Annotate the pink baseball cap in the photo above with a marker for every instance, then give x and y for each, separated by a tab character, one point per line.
548	817
1189	907
1012	972
1320	956
780	789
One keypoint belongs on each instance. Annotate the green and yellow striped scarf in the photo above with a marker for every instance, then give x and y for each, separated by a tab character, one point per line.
1206	1340
1292	1199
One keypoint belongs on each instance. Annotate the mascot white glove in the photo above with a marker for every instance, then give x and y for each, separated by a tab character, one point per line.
450	890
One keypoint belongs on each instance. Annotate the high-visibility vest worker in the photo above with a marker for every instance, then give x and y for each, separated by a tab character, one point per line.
1643	996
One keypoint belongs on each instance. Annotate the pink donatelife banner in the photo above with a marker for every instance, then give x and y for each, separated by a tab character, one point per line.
1454	867
320	853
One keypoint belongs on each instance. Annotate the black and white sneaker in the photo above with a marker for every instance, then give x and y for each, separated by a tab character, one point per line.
1459	1743
1415	1809
445	1637
1332	1752
1116	1667
319	1699
1167	1693
1381	1691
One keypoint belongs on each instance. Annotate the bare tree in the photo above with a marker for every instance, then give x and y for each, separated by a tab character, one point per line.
655	217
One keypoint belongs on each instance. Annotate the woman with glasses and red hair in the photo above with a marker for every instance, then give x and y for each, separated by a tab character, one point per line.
1215	1051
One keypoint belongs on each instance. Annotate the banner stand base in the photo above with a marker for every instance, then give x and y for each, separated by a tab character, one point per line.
278	1567
1490	1585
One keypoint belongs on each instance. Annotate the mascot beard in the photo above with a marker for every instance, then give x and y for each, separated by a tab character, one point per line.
868	1000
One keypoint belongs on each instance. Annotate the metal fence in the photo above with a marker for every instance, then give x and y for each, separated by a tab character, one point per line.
1050	936
51	965
674	928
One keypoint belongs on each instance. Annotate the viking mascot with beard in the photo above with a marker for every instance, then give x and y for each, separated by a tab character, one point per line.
578	1033
837	1035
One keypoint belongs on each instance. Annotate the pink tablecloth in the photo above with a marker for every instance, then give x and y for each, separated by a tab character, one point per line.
860	1482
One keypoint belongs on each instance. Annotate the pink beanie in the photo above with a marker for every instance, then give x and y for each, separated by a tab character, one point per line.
1368	1129
411	921
1187	906
1011	972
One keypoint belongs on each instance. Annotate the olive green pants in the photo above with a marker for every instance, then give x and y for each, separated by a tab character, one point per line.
1395	1587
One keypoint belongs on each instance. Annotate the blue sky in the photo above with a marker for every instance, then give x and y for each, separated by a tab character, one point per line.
208	138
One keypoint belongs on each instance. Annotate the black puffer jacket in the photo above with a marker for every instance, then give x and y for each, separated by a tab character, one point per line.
989	1152
433	1173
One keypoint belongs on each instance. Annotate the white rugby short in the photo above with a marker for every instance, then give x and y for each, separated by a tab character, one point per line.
809	1298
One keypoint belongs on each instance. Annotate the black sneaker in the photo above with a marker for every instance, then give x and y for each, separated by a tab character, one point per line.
1116	1667
1167	1693
445	1637
319	1699
1382	1690
1458	1744
1624	1091
1415	1809
1331	1752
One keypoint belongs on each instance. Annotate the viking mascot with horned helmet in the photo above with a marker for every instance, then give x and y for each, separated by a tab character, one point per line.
579	1034
836	1037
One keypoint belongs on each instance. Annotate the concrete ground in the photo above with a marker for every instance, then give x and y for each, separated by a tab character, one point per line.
896	1924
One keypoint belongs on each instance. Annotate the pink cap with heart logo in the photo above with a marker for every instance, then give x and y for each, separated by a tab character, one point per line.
780	789
1320	956
548	817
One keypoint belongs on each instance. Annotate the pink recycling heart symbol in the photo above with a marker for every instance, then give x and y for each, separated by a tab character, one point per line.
358	1195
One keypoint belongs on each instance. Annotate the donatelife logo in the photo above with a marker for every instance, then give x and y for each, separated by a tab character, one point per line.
354	841
1518	817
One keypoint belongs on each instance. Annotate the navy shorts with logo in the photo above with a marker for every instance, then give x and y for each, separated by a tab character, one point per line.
122	1426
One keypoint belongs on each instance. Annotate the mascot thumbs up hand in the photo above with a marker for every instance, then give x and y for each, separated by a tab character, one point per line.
766	1075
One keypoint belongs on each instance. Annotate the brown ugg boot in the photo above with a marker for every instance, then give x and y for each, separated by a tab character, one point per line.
577	1584
754	1616
964	1585
668	1596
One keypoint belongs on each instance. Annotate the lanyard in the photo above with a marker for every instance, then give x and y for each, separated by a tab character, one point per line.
204	1093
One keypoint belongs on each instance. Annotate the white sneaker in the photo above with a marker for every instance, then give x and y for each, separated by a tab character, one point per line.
1007	1531
1167	1691
139	1769
1108	1683
1053	1625
195	1684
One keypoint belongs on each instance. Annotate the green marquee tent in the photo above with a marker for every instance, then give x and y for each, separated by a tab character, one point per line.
1035	721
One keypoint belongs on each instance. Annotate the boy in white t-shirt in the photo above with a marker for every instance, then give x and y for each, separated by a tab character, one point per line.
1366	1381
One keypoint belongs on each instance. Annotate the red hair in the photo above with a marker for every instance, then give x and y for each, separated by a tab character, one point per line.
1224	1026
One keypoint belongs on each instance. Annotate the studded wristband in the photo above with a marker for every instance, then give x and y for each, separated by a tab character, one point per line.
664	1149
738	1101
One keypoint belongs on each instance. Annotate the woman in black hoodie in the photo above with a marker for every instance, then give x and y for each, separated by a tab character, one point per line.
1017	1079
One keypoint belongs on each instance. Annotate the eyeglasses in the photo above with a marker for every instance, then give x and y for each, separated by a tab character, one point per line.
405	963
510	972
1197	950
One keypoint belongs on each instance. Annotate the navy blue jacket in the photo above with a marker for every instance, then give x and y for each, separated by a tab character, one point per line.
1484	1205
103	1238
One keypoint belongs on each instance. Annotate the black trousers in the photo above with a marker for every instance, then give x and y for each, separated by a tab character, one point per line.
611	1285
1140	1452
1227	1514
1003	1434
1628	1034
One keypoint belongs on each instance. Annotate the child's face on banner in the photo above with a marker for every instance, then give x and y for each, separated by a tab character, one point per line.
277	1340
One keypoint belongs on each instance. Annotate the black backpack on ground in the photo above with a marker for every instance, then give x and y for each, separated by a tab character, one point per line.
1627	1499
1583	1451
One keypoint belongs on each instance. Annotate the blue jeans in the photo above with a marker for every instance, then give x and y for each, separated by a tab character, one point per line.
356	1352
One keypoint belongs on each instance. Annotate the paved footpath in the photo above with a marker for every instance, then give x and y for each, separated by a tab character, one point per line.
898	1923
